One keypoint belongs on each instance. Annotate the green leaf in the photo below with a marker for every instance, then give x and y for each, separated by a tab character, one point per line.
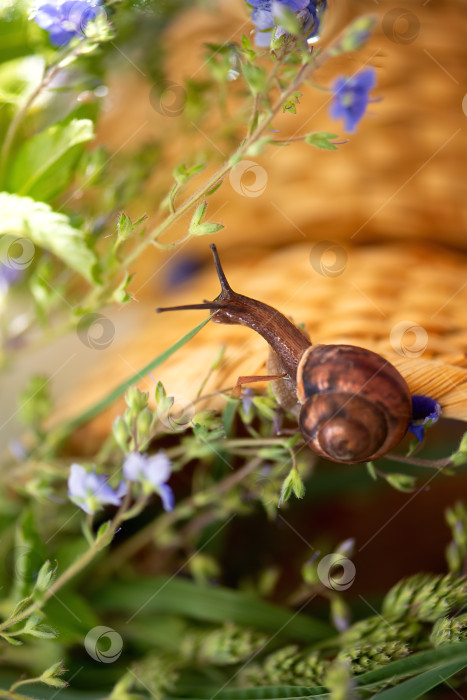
418	686
24	217
182	174
120	294
321	139
205	229
11	640
210	604
401	482
44	165
415	664
228	415
271	692
289	105
29	556
247	48
460	456
214	188
255	77
198	216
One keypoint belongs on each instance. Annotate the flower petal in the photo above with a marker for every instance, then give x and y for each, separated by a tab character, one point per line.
167	497
351	97
158	469
424	410
77	481
134	466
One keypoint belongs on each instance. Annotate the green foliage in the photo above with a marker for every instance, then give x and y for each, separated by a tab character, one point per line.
44	164
204	609
48	229
425	598
322	139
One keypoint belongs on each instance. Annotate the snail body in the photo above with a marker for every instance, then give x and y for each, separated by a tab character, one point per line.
354	406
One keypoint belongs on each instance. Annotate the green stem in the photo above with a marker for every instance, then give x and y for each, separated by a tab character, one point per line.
10	695
151	531
80	564
418	462
113	395
26	681
303	74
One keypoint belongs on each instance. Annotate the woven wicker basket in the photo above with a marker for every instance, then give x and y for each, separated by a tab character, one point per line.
407	303
393	198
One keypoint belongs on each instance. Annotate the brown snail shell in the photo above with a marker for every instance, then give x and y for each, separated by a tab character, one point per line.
355	405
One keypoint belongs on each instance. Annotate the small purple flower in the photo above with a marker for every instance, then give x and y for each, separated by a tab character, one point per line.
351	97
266	15
91	491
424	409
65	20
152	473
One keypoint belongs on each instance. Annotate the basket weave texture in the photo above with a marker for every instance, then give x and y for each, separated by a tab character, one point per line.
393	197
381	290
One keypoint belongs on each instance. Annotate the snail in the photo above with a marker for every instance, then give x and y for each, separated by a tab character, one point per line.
354	406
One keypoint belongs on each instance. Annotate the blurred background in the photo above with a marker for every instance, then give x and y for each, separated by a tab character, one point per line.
351	243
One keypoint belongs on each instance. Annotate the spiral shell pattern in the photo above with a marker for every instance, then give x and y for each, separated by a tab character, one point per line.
355	404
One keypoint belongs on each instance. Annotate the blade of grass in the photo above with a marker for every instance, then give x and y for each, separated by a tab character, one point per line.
261	693
421	684
416	663
210	604
119	390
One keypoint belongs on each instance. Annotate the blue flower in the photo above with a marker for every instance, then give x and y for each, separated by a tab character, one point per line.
151	473
424	409
91	491
65	20
351	97
266	15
